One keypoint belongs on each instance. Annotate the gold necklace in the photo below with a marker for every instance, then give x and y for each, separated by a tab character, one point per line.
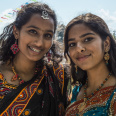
84	103
16	76
93	93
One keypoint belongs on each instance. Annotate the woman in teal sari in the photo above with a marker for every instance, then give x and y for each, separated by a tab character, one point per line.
92	52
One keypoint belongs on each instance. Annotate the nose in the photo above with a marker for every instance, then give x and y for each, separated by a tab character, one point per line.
80	48
39	41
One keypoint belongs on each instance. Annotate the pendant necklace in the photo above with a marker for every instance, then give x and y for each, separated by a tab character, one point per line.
93	93
84	103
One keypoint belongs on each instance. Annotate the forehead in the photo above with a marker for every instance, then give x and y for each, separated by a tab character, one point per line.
38	21
79	29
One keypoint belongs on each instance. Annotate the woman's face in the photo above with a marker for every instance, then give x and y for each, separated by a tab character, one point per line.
35	37
85	47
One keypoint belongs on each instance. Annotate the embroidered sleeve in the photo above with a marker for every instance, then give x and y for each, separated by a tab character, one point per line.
112	108
59	73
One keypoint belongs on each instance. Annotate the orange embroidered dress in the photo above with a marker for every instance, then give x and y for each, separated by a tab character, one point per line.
103	103
43	95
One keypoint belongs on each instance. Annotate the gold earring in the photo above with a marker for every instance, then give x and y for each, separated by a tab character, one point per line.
106	56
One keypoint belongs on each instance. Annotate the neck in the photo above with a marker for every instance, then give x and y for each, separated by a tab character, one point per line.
97	76
24	66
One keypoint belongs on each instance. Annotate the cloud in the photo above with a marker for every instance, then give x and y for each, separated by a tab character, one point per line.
109	18
6	18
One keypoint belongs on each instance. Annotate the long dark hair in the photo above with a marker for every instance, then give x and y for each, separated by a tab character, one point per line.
96	24
23	16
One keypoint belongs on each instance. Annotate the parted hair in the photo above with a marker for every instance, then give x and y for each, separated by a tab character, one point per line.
98	25
7	38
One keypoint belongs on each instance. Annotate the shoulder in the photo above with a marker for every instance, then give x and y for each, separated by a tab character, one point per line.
59	72
62	71
112	107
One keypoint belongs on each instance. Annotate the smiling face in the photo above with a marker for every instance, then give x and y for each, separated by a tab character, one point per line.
35	37
85	47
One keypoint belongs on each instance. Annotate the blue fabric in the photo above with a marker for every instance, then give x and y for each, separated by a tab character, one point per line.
75	92
96	111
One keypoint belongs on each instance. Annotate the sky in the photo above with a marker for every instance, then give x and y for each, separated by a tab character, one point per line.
66	10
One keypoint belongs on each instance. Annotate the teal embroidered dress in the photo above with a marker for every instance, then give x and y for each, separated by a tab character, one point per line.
103	103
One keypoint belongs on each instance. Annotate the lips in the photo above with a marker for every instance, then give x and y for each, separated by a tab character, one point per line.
34	49
81	58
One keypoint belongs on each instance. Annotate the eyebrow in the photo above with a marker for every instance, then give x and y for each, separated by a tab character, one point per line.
72	39
86	34
32	26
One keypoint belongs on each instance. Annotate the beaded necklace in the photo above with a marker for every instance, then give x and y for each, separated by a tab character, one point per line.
92	94
16	76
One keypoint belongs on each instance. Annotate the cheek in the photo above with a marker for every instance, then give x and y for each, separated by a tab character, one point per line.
22	42
72	55
48	44
100	54
97	50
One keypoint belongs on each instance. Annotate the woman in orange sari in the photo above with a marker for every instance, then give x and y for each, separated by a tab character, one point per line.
92	52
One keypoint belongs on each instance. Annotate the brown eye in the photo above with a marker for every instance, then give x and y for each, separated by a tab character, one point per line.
71	44
32	31
48	36
88	39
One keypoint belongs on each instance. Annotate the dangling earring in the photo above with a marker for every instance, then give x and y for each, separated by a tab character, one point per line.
76	69
106	57
15	47
49	54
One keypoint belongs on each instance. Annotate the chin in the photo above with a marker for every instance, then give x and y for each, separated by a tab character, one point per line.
35	59
85	68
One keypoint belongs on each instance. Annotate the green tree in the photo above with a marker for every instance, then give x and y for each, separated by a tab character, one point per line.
114	34
60	32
